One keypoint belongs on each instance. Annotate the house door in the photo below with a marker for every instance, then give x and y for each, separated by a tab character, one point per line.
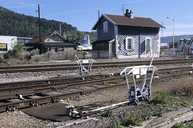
148	46
110	50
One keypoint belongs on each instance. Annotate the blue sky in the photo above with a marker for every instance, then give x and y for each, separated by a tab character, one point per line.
83	13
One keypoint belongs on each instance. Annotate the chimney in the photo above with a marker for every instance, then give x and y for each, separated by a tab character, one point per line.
129	13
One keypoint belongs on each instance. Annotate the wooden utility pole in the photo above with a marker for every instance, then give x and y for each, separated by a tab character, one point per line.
99	14
60	29
139	45
123	9
39	23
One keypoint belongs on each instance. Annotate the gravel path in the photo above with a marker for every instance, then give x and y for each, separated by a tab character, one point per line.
19	119
27	76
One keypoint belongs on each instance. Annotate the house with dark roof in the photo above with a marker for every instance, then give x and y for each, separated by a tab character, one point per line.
126	36
53	42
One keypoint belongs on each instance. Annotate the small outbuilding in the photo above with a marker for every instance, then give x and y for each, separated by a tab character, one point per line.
7	43
53	42
85	44
126	36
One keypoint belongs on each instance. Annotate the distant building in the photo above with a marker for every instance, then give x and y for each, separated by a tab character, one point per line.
183	44
164	45
126	36
178	40
54	42
24	40
7	43
85	44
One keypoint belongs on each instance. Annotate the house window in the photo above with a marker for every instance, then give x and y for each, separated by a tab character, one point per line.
56	49
129	43
105	26
148	43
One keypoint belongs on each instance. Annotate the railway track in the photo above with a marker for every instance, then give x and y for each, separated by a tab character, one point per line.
28	87
57	83
49	91
73	66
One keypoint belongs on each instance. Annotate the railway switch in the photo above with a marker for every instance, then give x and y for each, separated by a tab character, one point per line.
20	96
139	91
72	112
85	66
10	109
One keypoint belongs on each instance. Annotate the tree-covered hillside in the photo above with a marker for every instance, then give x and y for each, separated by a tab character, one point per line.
15	24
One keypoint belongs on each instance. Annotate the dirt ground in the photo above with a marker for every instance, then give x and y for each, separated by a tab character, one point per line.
27	76
20	120
119	94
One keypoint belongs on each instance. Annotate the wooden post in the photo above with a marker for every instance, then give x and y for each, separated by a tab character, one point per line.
139	46
39	23
110	50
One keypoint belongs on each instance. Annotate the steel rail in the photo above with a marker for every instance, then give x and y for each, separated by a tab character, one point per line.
51	99
73	66
38	86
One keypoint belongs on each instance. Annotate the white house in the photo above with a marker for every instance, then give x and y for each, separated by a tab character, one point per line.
126	36
7	43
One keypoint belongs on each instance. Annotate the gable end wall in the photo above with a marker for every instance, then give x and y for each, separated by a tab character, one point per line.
137	33
102	35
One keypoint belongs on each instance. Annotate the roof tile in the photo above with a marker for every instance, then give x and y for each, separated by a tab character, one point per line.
132	22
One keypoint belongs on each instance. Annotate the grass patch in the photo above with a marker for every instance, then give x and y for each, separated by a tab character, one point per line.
117	124
132	119
162	102
184	125
167	99
107	114
161	98
186	91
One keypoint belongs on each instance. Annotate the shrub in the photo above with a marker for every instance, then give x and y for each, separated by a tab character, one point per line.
161	98
1	59
132	119
107	114
183	91
7	55
116	124
183	125
178	126
27	57
17	50
35	52
15	53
